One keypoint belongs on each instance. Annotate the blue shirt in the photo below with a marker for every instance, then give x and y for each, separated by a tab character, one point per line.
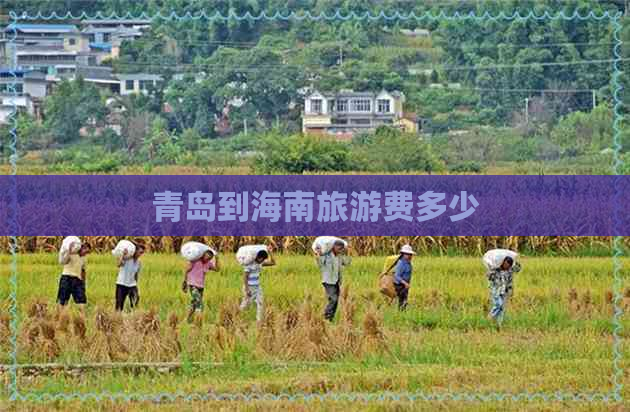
403	271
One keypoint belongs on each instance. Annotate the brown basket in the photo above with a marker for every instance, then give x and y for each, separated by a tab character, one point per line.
386	285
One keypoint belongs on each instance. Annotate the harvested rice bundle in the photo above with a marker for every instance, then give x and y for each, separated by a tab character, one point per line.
106	344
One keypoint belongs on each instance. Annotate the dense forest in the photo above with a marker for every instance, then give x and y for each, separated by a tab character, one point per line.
467	79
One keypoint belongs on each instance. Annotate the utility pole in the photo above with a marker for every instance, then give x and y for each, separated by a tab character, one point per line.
341	54
245	126
594	99
527	110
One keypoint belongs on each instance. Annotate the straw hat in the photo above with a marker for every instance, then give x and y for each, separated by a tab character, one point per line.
407	250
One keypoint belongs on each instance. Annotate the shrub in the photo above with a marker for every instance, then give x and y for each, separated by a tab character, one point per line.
466	167
301	153
389	150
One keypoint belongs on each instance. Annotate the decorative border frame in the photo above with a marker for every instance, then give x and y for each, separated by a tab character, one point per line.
612	396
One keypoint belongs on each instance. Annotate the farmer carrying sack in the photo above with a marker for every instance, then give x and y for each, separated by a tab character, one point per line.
495	257
247	254
386	280
192	251
122	246
324	244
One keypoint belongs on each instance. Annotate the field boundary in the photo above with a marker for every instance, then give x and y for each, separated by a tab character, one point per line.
613	396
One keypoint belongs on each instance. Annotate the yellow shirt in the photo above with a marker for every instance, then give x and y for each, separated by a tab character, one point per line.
74	266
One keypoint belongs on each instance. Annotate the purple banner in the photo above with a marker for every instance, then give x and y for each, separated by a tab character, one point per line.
315	205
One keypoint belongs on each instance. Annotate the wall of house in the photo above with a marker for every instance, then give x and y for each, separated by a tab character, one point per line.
123	87
398	107
316	121
408	126
9	103
35	88
136	86
81	43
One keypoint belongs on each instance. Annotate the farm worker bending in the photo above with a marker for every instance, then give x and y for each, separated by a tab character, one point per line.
72	281
500	284
252	291
402	276
127	281
195	279
331	265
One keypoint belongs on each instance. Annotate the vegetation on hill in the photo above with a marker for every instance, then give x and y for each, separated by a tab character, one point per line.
468	80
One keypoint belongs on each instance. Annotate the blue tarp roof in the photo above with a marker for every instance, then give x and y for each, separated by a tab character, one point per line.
103	46
21	26
11	73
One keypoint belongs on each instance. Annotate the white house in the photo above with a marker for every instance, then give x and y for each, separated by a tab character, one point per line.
22	91
346	112
137	82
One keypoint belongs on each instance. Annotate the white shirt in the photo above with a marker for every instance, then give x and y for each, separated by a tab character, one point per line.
127	273
253	274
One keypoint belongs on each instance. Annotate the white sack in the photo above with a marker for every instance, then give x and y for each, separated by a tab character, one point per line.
194	250
324	244
246	255
70	244
123	245
495	257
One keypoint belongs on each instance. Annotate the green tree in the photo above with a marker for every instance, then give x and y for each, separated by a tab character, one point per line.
579	132
73	105
256	76
192	105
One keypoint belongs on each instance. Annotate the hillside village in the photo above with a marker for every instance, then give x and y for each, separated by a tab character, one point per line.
35	57
135	91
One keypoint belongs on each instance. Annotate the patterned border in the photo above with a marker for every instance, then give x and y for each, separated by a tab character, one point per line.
613	396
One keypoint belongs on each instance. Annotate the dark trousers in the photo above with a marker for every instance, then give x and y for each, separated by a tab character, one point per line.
332	293
121	294
71	286
403	295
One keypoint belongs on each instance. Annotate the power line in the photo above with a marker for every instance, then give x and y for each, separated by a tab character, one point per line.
262	67
463	46
514	66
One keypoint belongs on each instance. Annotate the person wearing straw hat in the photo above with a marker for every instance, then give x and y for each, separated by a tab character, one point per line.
402	276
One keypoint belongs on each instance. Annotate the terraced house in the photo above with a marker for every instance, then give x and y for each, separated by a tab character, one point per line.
346	112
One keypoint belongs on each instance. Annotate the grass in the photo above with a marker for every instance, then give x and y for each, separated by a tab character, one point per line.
551	340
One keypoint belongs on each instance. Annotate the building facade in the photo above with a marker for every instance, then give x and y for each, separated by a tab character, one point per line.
345	113
21	91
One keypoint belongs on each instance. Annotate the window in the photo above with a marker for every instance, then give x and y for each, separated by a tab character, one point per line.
129	84
342	105
145	84
106	37
361	105
331	105
18	88
361	121
92	61
383	105
92	38
72	42
316	105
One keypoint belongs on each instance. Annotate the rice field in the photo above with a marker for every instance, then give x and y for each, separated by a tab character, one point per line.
557	334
